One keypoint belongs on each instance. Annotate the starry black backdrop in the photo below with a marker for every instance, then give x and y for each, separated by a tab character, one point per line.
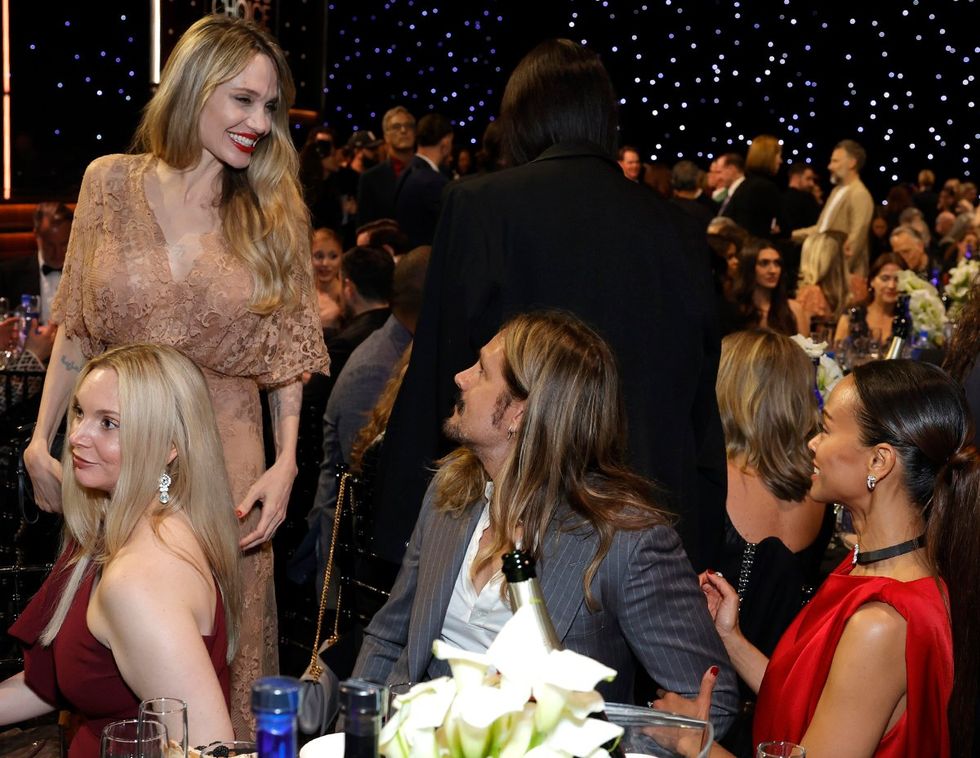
694	78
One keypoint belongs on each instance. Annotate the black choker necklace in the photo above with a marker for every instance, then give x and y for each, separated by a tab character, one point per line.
873	556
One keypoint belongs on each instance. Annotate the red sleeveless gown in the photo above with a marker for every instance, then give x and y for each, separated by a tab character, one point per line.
799	665
78	673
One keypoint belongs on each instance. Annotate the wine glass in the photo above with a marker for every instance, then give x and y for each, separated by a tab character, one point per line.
172	713
780	749
130	739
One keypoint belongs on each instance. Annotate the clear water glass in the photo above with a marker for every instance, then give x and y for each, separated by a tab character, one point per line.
130	739
172	713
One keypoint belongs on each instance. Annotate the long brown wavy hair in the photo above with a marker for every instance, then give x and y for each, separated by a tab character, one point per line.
569	447
263	216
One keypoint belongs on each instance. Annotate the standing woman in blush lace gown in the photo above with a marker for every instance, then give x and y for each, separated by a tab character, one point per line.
200	240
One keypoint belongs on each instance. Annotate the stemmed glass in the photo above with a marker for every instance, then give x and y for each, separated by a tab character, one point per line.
172	713
131	739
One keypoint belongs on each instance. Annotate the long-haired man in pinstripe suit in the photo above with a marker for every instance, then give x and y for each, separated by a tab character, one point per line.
542	431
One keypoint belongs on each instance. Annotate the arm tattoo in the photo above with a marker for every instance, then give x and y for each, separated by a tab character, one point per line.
70	365
284	402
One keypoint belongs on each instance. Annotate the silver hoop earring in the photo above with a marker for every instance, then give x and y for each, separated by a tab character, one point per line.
510	434
872	482
165	481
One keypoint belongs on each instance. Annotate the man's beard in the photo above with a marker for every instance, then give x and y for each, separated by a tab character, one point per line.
452	426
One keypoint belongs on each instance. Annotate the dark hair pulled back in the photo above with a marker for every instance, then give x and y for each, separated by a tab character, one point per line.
921	412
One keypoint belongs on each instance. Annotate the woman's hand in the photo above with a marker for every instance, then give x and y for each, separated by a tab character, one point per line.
722	602
274	486
272	490
45	472
698	708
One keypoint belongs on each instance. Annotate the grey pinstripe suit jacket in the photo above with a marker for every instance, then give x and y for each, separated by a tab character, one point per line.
651	608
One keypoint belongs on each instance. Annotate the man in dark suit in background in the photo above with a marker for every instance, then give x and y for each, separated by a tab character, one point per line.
685	180
40	274
376	188
800	206
563	228
418	197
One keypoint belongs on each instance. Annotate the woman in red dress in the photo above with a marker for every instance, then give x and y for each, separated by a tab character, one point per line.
883	661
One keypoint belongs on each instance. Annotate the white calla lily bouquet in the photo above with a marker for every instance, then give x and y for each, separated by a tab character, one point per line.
925	306
962	279
517	699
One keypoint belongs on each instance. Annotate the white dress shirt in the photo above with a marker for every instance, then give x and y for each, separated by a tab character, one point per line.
473	619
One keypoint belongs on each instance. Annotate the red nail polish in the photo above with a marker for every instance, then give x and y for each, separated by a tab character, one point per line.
712	571
714	671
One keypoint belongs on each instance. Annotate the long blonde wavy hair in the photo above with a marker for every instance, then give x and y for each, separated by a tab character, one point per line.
163	406
768	410
263	216
569	448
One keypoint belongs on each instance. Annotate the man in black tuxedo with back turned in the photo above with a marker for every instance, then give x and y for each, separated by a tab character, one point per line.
565	229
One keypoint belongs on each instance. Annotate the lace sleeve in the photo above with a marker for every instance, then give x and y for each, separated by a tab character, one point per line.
67	309
294	340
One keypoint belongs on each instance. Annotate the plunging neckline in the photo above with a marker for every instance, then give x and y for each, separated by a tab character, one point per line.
171	248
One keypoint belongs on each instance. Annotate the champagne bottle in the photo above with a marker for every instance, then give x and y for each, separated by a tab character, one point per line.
275	702
901	327
524	590
361	706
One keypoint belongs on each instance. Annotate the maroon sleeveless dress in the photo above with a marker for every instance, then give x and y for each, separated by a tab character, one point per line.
78	673
799	666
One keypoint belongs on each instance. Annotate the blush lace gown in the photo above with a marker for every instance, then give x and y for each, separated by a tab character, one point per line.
118	288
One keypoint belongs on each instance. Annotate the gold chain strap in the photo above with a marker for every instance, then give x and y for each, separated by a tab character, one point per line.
315	668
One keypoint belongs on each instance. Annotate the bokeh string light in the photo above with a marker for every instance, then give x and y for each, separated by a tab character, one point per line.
695	77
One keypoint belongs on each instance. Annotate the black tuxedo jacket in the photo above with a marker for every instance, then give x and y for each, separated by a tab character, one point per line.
800	209
418	199
376	193
754	205
569	231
